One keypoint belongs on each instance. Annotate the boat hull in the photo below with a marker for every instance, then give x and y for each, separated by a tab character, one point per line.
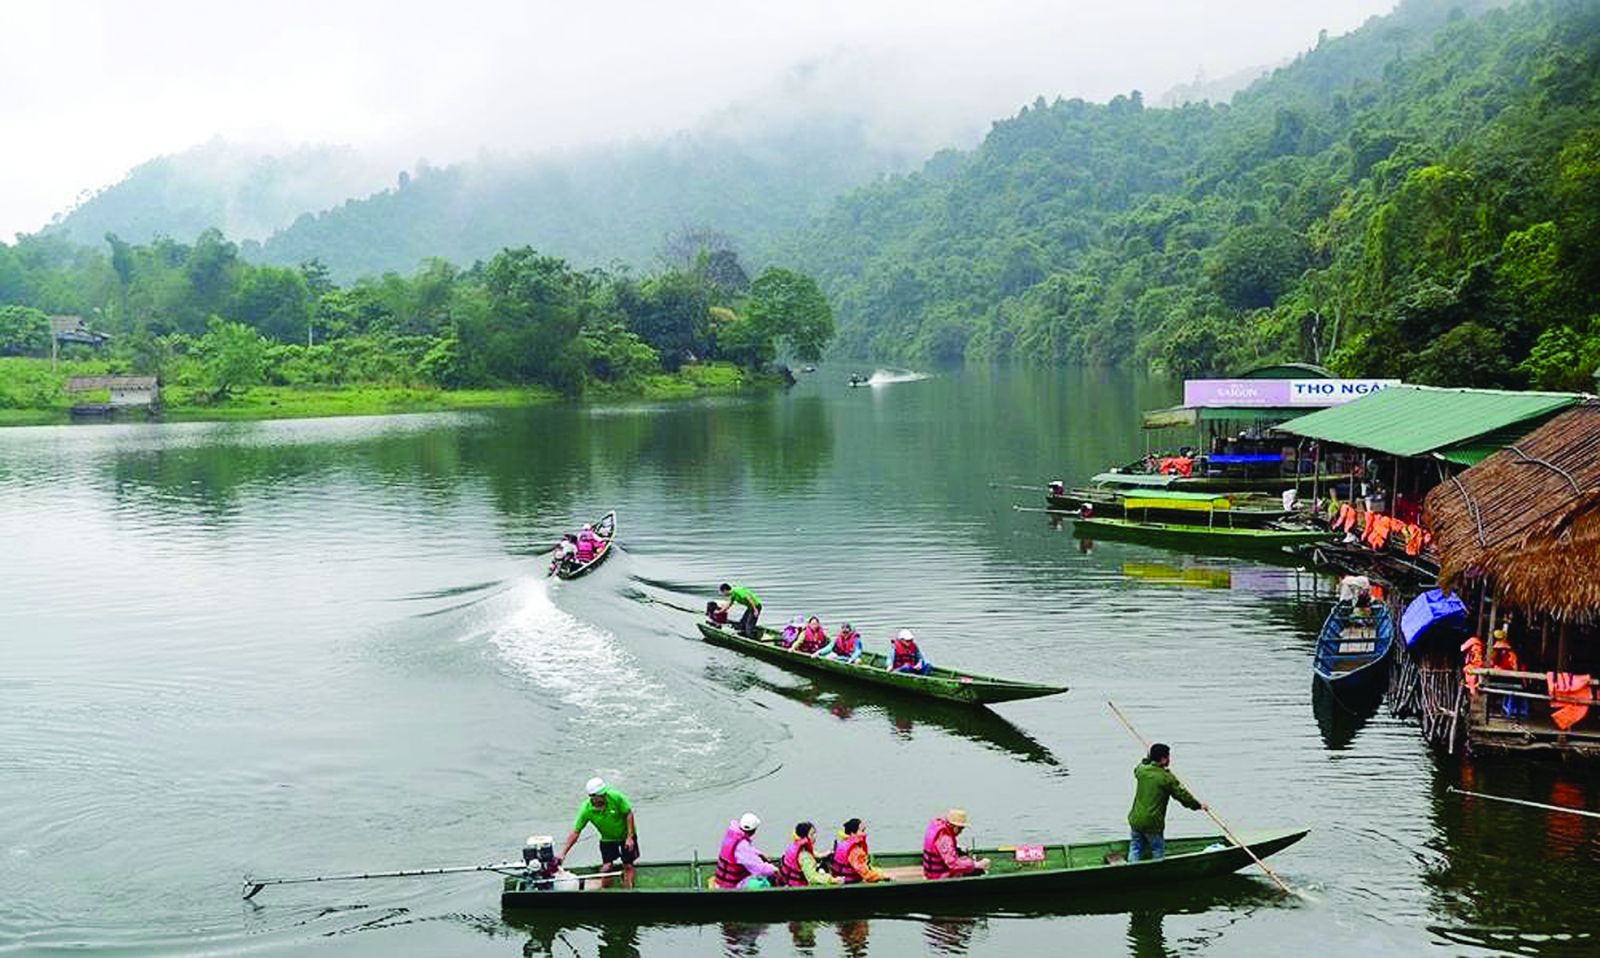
678	889
1109	503
945	684
1197	538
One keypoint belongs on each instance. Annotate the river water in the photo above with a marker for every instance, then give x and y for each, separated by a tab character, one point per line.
324	646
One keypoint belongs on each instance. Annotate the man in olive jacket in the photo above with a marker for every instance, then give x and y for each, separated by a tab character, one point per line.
1154	785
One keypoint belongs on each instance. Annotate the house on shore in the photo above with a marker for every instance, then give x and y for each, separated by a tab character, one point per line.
122	394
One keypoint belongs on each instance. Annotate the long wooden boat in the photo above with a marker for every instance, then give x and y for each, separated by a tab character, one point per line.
1352	655
950	685
1247	509
1067	872
1197	537
1133	477
606	529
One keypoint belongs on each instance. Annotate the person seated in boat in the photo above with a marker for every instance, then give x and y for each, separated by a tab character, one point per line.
566	552
715	614
739	863
791	632
941	857
1057	487
847	646
851	860
799	866
733	595
612	816
907	657
1154	785
813	638
588	544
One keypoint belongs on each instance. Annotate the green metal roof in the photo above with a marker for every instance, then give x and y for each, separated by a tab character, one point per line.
1418	420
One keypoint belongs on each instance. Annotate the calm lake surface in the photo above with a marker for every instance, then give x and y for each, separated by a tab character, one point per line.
324	646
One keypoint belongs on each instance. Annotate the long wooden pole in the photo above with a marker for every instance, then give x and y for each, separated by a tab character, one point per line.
1214	816
1520	801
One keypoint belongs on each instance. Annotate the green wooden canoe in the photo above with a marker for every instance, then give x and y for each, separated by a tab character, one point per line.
1200	537
948	684
677	889
606	529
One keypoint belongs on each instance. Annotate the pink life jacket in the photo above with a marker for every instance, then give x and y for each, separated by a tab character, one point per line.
933	865
588	545
789	871
841	857
813	639
729	872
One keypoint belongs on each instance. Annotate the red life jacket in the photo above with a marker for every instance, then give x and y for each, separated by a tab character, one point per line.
812	641
729	872
845	644
841	857
789	872
933	865
905	653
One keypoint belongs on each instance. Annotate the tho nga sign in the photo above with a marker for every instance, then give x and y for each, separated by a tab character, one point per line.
1204	393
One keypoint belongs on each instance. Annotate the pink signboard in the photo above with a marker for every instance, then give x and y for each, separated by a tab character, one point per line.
1204	393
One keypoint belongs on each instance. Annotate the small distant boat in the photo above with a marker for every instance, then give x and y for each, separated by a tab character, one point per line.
856	380
1017	874
1353	652
606	530
949	684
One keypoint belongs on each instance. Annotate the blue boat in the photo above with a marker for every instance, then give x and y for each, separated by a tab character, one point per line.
1353	653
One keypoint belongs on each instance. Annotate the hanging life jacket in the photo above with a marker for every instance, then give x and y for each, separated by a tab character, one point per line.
729	872
841	857
789	871
933	866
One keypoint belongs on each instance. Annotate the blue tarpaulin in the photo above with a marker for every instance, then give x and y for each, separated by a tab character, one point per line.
1242	458
1429	609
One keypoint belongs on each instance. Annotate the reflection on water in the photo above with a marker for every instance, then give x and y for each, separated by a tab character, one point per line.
1337	723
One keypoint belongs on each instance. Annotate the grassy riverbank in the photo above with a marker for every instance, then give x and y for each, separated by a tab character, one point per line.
33	394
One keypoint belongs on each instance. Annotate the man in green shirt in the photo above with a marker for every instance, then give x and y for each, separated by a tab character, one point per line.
1147	819
612	816
738	595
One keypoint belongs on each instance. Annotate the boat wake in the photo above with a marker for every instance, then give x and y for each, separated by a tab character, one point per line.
888	377
620	708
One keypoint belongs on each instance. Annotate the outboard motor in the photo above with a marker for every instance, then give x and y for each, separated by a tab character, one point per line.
539	856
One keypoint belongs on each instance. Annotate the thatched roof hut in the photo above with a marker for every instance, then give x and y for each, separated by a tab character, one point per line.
1528	519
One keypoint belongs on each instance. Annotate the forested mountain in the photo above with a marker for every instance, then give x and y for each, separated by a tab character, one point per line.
1418	198
597	205
246	193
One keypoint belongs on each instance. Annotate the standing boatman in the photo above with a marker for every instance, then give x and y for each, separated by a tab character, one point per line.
612	815
733	595
1155	784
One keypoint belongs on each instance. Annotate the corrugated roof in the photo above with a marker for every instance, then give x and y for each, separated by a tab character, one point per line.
1417	420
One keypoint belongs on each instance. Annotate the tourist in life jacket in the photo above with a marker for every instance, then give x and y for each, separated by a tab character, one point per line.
847	647
739	863
715	614
907	657
588	543
813	638
940	856
799	866
1503	656
852	862
791	632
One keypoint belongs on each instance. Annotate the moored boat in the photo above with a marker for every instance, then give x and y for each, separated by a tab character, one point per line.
1017	873
1352	655
606	530
1199	538
1244	509
951	685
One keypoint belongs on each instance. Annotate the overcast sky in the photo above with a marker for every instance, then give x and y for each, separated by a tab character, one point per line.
90	89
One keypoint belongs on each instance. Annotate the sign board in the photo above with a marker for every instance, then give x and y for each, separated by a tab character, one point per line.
1278	392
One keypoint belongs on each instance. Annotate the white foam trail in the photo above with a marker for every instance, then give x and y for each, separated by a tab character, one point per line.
886	377
585	668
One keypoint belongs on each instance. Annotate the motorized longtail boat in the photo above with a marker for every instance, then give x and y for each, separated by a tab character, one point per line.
679	889
1246	509
606	531
1212	527
951	685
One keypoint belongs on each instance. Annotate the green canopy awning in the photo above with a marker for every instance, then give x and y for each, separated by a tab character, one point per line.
1425	420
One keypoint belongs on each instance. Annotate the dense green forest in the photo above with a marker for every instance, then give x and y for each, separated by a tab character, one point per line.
199	313
1419	198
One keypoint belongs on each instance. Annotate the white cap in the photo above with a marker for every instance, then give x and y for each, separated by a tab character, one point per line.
749	822
906	636
596	785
